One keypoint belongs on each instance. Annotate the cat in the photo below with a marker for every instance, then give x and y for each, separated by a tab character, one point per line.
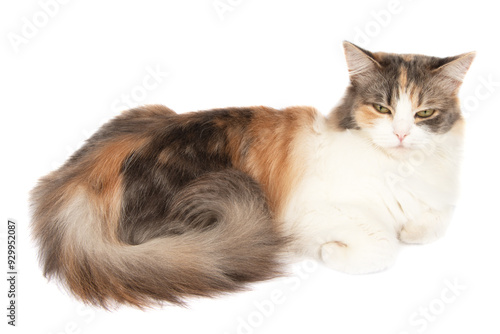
158	207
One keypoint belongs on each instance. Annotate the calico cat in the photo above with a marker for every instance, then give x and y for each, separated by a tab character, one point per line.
159	206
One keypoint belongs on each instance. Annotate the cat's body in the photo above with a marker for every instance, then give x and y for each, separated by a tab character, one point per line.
159	206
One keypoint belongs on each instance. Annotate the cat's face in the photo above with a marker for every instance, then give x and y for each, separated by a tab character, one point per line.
401	102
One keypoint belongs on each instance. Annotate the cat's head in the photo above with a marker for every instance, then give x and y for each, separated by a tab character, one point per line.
401	101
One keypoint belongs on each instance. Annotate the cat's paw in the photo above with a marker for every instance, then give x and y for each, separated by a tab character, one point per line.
428	228
359	258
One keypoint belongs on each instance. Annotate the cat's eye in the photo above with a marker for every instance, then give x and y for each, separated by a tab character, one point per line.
426	113
381	109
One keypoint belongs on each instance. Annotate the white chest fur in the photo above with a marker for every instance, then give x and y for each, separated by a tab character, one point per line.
349	184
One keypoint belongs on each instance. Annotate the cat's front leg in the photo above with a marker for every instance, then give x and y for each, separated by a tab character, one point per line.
346	240
426	228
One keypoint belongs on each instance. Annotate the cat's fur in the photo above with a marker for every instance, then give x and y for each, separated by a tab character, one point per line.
158	206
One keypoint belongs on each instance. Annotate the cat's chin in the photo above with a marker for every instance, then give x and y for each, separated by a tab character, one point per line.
395	150
400	151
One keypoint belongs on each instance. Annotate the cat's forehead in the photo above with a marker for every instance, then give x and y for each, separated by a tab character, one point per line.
407	76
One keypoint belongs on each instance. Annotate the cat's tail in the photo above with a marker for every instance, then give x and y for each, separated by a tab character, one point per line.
232	241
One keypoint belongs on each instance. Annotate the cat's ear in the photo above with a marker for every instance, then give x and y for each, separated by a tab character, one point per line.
360	62
455	68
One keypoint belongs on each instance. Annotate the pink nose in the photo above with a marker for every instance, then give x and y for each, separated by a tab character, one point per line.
401	136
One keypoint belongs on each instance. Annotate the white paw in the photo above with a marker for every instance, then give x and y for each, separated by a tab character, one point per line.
360	258
428	228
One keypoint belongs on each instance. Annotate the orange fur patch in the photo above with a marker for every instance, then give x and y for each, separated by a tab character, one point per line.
408	57
366	116
270	158
102	179
403	77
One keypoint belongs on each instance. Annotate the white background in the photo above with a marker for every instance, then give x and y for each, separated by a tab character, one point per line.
61	80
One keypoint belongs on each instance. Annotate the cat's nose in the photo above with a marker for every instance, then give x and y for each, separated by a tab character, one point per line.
401	129
401	136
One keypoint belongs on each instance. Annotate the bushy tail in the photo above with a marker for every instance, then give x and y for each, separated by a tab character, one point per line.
232	241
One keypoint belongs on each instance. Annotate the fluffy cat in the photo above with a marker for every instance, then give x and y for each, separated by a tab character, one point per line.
159	206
